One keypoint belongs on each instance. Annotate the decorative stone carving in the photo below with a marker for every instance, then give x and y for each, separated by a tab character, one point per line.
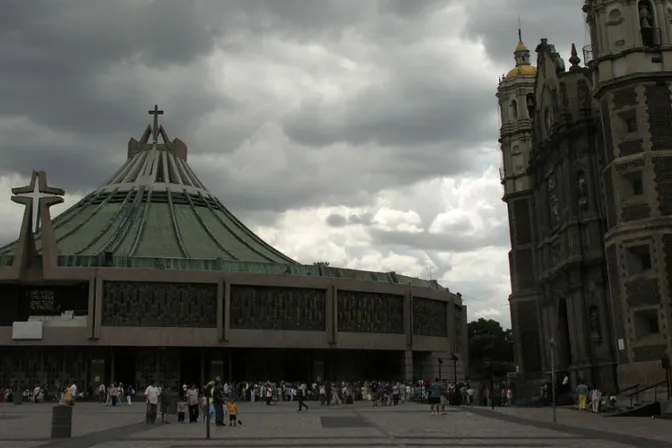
273	308
157	304
430	317
362	312
553	201
594	322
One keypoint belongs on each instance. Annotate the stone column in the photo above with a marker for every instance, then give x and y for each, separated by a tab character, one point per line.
330	314
221	315
226	318
408	318
98	309
91	314
408	365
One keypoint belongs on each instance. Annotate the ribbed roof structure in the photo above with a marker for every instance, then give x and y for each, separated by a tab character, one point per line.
154	206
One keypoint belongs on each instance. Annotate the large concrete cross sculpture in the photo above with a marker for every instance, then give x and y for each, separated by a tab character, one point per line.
155	129
36	194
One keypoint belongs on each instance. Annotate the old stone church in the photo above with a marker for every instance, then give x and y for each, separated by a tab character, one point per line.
587	177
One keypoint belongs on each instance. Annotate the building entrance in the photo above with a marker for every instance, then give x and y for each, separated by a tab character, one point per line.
190	366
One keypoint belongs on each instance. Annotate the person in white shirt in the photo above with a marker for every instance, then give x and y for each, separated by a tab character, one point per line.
73	391
152	397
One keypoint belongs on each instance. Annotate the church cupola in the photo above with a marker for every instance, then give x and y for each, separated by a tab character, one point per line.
523	68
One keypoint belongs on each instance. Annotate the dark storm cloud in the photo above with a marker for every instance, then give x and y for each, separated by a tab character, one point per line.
52	53
91	69
496	23
412	109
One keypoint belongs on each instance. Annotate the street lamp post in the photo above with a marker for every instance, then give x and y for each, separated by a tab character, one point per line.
553	385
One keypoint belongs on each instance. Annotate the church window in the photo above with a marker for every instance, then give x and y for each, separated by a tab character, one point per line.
646	323
530	105
639	259
514	109
647	23
637	186
633	185
631	124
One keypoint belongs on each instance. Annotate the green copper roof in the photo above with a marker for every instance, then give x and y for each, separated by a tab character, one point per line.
154	206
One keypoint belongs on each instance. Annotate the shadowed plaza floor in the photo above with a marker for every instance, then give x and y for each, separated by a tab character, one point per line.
359	425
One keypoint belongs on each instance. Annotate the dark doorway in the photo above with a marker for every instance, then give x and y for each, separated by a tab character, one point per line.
124	366
190	366
296	365
563	343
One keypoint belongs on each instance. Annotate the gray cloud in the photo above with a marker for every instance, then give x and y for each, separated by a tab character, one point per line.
496	23
450	242
336	220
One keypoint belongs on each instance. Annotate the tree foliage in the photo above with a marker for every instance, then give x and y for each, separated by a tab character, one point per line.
490	349
324	264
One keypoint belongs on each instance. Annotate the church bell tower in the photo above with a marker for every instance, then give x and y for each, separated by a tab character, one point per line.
631	61
515	93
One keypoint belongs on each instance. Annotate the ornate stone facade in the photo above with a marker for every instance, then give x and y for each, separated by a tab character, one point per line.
156	304
270	308
430	317
361	312
560	291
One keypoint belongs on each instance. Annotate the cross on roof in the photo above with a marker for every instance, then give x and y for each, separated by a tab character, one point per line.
155	128
34	193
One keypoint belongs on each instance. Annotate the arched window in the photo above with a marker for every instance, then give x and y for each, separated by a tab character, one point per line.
514	109
648	23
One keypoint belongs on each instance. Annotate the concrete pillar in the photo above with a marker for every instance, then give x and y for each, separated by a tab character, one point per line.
408	365
98	309
408	318
90	315
226	318
221	315
330	315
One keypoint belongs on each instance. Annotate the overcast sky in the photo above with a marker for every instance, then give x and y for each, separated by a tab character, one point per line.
358	132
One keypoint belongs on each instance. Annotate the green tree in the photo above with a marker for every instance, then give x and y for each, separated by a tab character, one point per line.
324	264
490	349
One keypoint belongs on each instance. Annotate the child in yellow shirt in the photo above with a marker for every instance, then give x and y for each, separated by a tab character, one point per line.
232	409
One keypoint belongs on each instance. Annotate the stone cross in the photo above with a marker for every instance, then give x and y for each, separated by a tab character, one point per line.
35	193
155	130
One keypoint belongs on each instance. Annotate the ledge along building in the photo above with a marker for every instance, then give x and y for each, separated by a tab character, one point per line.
150	279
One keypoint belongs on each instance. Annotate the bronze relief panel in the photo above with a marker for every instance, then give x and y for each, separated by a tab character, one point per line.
158	304
430	317
367	312
275	308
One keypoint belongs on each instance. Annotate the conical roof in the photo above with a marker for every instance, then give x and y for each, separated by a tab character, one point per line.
155	206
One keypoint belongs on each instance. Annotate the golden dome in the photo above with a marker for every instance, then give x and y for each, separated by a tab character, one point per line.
522	71
521	47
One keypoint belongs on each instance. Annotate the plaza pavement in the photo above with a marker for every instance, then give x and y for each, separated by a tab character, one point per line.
354	426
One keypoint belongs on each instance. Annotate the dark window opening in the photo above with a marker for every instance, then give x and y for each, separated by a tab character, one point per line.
631	124
639	259
637	187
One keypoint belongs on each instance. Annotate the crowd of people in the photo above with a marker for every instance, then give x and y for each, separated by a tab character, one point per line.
218	399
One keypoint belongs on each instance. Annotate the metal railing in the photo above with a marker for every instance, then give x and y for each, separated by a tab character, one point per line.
638	391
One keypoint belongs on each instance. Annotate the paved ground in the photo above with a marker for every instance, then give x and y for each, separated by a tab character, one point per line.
357	426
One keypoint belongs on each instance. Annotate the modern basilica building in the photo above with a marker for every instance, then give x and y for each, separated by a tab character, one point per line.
150	279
